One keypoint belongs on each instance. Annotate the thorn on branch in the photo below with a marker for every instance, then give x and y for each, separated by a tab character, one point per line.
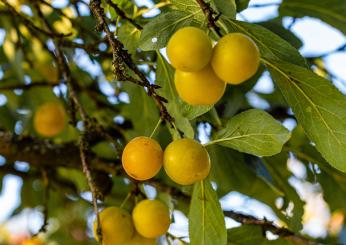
155	86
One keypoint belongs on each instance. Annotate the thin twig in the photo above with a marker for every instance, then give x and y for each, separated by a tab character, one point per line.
155	128
123	15
123	60
28	86
176	238
46	184
294	20
95	194
269	226
211	15
65	71
27	22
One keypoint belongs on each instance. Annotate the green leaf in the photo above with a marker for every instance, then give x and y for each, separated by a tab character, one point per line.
18	64
242	4
181	111
122	4
231	173
276	27
129	36
76	176
252	235
83	23
36	96
275	99
277	167
330	11
8	118
157	32
191	112
145	121
271	46
332	181
234	100
228	8
318	106
206	219
334	190
32	197
191	7
105	150
245	234
253	131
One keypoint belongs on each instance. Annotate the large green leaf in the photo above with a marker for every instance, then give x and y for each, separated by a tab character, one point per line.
227	7
254	132
206	219
180	110
319	107
157	32
330	11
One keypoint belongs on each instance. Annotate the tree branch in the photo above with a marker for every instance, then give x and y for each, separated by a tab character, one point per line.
269	226
83	149
122	59
46	183
57	182
27	86
211	15
43	153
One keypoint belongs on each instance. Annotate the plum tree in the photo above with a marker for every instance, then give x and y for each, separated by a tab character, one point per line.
83	83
